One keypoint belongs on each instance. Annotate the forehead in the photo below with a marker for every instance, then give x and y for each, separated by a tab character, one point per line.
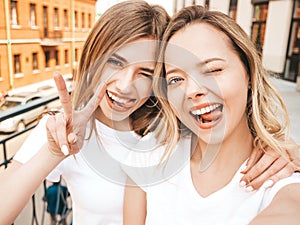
138	51
196	42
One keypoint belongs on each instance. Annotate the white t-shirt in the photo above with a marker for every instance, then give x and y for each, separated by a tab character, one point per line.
177	202
94	177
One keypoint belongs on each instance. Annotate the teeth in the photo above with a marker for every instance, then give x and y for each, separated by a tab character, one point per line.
117	99
207	109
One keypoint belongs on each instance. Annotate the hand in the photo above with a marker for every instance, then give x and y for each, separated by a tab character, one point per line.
267	167
66	130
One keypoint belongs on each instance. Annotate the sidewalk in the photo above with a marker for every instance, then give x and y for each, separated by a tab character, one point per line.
291	97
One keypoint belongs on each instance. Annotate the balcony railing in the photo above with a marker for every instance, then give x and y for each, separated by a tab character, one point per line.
5	163
51	38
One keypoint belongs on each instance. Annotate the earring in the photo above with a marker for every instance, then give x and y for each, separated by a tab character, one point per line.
154	103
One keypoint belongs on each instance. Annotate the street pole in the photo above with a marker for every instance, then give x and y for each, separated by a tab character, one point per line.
73	41
9	52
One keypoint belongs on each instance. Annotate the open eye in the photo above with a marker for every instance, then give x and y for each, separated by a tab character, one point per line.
115	62
174	80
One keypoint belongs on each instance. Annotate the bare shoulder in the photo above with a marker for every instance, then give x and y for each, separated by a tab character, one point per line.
284	208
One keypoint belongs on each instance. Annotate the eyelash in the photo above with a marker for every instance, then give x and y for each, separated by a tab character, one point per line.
115	62
217	70
147	75
174	80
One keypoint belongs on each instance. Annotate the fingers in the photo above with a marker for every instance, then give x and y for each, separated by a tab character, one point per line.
263	163
278	170
94	101
254	157
63	95
59	142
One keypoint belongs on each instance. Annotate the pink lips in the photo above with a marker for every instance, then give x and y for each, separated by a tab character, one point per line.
118	106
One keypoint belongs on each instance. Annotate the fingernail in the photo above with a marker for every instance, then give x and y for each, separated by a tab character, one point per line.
268	184
242	183
249	188
243	167
65	150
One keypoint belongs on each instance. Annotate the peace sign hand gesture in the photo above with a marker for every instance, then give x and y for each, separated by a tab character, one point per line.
66	130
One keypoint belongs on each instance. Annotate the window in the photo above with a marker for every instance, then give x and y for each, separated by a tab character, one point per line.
56	18
66	56
45	21
14	12
56	57
76	19
207	4
35	61
233	9
1	78
292	65
17	64
32	15
259	25
82	20
47	59
90	20
76	53
66	21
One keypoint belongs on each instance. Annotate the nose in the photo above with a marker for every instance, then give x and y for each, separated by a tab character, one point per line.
124	80
195	90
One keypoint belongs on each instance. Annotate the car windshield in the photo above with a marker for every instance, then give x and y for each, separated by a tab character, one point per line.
8	105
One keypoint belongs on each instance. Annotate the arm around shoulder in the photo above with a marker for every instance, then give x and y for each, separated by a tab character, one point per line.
284	208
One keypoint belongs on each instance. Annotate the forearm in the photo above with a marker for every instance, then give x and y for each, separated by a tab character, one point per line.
20	182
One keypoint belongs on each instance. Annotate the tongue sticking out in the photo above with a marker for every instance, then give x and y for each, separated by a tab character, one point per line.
211	116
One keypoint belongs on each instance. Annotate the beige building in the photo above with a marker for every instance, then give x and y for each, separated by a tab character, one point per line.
38	37
273	25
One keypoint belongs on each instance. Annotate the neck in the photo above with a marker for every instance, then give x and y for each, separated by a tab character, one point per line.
123	125
236	148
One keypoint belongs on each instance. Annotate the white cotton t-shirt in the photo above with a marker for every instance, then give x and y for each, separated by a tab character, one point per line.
177	202
94	176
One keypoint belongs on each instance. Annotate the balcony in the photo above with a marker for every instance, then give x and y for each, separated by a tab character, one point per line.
51	38
35	212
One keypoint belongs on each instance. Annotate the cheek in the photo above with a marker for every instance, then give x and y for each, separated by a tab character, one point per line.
176	101
143	87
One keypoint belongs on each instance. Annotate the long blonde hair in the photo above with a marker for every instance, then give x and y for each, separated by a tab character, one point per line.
120	24
264	103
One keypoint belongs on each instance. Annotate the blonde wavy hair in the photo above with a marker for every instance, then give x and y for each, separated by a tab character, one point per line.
264	104
119	25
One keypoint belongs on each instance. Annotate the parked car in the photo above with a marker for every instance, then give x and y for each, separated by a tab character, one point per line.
19	122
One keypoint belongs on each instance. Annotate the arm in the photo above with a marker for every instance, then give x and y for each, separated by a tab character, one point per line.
65	136
284	208
134	212
20	181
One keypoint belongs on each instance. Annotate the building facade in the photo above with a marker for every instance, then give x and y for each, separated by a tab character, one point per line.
39	37
273	25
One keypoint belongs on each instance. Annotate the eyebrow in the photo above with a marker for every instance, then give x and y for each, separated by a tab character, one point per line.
126	62
202	63
119	57
173	70
199	64
147	70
